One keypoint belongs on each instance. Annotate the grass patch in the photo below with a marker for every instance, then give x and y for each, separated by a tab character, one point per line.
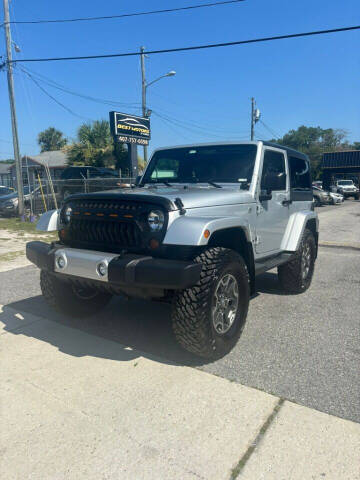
16	225
11	256
25	228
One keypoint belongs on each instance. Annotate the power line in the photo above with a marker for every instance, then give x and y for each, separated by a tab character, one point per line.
55	100
195	47
126	15
51	83
269	129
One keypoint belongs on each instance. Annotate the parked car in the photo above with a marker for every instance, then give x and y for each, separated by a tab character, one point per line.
87	179
196	238
317	184
5	190
321	197
336	198
9	204
347	188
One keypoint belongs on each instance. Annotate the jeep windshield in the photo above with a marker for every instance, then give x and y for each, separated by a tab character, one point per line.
346	182
211	164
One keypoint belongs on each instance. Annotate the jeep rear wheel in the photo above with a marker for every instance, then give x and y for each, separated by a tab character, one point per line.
296	275
71	299
208	318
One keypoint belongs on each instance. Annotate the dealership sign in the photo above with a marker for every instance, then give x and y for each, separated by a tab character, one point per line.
130	128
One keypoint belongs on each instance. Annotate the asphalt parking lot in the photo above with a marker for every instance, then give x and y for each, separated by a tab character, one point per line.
303	348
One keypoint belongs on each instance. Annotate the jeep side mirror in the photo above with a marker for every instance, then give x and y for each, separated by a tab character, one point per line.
265	195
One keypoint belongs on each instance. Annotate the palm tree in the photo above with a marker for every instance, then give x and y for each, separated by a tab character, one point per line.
51	139
95	146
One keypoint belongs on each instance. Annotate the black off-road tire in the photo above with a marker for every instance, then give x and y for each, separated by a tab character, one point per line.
290	275
70	299
191	311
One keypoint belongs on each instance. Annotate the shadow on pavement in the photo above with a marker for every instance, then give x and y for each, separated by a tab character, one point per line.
142	325
269	283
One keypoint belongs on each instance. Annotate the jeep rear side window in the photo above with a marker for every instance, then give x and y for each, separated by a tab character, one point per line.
274	168
300	178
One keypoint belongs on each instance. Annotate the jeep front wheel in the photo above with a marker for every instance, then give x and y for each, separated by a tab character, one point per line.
70	298
209	317
296	275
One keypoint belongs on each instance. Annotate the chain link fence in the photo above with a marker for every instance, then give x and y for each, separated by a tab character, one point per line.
42	195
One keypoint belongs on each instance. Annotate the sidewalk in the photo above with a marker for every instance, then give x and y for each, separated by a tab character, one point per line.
76	406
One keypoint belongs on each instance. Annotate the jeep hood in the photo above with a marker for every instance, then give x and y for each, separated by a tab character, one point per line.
192	196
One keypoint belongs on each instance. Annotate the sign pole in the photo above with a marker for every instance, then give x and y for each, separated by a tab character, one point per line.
133	160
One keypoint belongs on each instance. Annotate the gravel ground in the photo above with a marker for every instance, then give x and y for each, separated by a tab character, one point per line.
305	348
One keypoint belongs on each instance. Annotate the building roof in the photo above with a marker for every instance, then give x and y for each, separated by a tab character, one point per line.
4	168
345	159
57	158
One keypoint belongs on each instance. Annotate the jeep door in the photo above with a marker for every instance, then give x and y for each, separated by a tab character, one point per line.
272	213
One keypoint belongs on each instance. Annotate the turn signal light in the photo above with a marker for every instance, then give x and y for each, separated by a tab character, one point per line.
207	233
62	234
154	244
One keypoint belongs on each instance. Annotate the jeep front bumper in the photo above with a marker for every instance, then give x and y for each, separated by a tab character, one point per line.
128	270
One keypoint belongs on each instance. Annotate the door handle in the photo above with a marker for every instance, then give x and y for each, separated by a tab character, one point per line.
286	203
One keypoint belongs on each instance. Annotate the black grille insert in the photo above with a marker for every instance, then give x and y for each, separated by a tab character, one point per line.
114	234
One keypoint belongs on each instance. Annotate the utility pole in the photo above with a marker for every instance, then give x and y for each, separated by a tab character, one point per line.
252	117
255	116
143	90
13	108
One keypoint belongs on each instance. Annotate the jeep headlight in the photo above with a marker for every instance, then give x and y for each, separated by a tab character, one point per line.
156	220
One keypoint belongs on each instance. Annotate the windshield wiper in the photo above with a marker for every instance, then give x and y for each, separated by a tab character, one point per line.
213	184
153	184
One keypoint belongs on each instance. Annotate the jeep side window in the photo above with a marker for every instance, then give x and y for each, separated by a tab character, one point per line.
300	178
273	173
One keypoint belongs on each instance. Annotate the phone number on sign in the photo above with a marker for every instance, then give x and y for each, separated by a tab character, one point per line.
138	141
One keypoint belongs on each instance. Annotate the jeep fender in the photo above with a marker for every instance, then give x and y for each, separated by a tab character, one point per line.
48	222
186	230
295	228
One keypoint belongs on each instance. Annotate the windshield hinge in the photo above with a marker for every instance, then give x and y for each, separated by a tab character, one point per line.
178	202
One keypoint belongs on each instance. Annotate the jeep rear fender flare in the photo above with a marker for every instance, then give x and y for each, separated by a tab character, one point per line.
188	230
295	228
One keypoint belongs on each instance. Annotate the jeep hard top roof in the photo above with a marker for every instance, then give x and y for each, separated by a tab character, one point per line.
289	150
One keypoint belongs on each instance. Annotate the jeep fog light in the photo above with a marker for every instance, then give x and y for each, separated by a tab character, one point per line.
102	269
156	220
61	262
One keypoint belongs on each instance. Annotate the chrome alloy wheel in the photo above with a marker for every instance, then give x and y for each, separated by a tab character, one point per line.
225	303
305	261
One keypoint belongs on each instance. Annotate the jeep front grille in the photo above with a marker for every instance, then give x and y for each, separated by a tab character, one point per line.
104	224
96	233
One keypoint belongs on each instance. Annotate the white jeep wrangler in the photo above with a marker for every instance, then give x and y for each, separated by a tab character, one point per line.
201	224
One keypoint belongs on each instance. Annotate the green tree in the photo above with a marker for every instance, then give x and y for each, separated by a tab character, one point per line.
95	146
314	141
51	139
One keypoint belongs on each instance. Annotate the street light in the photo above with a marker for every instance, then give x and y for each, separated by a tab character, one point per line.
144	87
172	73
